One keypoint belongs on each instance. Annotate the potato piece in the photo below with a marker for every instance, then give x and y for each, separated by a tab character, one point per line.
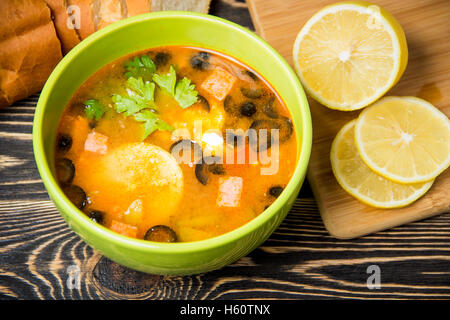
79	130
134	213
219	83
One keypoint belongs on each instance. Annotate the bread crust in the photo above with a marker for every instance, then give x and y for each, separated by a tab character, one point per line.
29	48
187	5
136	7
87	18
69	37
109	12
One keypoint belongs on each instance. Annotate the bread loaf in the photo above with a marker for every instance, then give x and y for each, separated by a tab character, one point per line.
29	48
34	34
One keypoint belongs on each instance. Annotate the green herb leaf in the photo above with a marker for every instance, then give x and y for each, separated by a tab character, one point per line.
151	122
145	89
94	109
128	105
185	93
140	67
140	96
167	81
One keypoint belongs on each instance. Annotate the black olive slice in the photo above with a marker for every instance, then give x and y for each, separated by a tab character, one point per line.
186	145
216	169
76	195
208	165
64	143
65	170
269	109
161	58
252	93
283	125
204	103
275	191
286	129
248	109
230	107
228	104
204	55
262	144
251	75
96	216
161	233
199	63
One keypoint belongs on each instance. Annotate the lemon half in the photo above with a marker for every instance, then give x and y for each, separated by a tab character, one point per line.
349	54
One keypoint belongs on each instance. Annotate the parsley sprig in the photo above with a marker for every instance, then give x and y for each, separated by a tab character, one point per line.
139	101
182	90
94	109
140	104
142	67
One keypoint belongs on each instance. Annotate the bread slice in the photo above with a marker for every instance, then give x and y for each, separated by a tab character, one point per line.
87	20
29	48
68	36
185	5
136	7
96	14
110	11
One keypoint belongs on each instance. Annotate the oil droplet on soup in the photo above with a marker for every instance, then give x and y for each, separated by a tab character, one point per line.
146	143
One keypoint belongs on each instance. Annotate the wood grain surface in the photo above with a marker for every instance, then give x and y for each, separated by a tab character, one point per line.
427	28
41	258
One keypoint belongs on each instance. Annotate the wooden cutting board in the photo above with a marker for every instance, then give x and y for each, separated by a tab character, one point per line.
427	27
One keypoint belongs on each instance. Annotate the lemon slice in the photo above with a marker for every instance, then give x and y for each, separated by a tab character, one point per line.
404	139
357	179
349	54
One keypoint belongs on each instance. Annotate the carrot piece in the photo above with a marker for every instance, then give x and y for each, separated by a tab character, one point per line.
79	129
219	83
123	229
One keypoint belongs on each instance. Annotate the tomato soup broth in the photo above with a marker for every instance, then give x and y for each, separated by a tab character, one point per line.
123	135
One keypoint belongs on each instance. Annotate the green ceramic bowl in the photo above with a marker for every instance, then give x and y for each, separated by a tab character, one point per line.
144	32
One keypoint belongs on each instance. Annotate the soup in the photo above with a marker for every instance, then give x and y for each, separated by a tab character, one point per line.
174	144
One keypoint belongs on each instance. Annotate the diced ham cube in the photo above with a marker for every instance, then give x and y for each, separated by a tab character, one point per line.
123	228
96	142
230	190
219	83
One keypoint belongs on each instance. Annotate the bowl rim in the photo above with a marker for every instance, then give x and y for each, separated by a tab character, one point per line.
81	219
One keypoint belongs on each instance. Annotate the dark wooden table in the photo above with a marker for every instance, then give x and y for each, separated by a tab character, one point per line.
39	254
